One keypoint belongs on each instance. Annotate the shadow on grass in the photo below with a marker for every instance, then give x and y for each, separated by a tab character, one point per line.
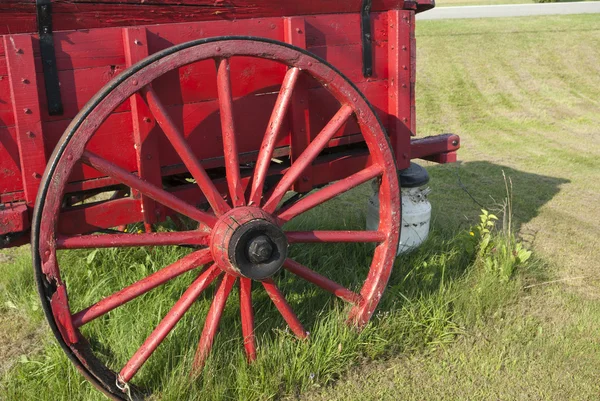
460	190
422	307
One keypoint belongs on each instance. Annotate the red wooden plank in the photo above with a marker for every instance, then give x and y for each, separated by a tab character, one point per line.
343	29
75	14
77	87
348	59
10	166
295	34
400	92
26	109
145	131
12	197
14	219
323	106
93	217
113	141
200	123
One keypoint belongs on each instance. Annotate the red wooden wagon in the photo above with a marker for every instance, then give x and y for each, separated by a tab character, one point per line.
213	110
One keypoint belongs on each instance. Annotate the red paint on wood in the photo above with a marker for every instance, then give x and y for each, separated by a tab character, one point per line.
321	281
211	324
73	14
168	322
14	219
183	265
432	145
10	164
26	110
400	102
247	315
145	134
284	308
300	125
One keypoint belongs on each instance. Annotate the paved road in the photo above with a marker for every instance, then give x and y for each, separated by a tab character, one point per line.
512	10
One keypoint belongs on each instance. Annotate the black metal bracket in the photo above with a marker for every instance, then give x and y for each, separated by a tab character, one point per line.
44	20
367	45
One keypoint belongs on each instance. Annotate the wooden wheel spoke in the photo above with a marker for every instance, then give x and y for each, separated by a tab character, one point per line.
152	191
232	165
284	308
168	322
212	321
322	281
308	156
329	192
247	315
334	236
183	265
184	150
131	240
273	129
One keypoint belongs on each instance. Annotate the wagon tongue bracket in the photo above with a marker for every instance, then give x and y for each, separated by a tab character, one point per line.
246	242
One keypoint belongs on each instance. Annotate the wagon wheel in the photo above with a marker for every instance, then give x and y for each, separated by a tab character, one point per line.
245	239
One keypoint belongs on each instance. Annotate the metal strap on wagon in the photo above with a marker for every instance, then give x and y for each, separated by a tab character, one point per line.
365	26
44	21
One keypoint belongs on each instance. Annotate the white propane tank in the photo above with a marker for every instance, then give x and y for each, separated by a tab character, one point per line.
416	216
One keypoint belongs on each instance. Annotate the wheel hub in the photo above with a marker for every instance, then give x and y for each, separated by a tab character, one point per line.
246	242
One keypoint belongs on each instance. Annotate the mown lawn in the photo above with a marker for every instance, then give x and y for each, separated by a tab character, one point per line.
459	321
524	94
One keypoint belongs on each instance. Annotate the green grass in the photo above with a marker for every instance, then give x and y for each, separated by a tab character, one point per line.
453	3
523	93
453	324
418	312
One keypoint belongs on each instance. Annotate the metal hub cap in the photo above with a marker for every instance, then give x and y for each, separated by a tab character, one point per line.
246	242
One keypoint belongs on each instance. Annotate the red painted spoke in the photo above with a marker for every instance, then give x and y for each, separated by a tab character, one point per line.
184	150
322	281
232	164
284	308
268	145
247	318
334	236
168	322
183	265
330	192
308	156
158	194
127	240
212	321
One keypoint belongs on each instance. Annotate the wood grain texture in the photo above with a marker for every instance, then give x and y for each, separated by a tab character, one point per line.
145	133
87	14
26	109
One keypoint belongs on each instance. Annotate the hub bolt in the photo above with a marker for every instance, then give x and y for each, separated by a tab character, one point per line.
260	249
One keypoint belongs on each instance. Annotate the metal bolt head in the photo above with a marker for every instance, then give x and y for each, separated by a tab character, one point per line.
27	111
30	134
260	249
146	119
